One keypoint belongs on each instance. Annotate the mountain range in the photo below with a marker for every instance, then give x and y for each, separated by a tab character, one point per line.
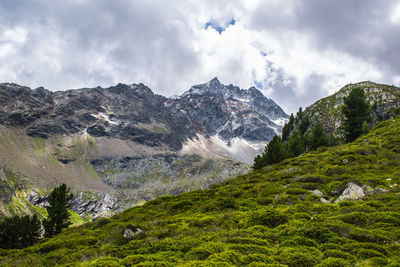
123	145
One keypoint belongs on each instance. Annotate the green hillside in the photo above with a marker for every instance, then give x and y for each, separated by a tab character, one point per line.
270	217
384	99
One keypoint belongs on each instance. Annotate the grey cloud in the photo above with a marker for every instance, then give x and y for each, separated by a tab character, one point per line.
85	43
139	41
360	28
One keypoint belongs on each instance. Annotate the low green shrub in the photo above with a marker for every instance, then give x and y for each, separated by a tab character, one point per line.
332	253
267	217
249	240
334	262
299	256
296	191
229	257
106	262
251	248
356	218
295	241
301	216
369	253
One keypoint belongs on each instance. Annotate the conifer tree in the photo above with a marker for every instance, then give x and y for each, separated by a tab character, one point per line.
318	137
258	163
275	151
304	123
287	128
295	144
19	231
356	111
58	214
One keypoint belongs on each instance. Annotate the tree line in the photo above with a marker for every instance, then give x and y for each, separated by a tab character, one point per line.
22	231
292	143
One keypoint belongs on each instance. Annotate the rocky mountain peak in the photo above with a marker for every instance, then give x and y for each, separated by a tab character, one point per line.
214	86
133	112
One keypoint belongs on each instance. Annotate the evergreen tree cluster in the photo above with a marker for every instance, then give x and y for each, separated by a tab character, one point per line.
356	110
19	231
293	142
23	231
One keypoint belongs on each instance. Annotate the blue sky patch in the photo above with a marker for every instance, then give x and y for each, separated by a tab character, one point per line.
258	84
217	26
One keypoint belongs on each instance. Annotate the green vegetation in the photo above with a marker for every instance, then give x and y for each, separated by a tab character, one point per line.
356	110
276	150
39	145
57	210
269	217
19	231
317	138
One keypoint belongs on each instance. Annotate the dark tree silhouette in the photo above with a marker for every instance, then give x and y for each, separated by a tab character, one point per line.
274	152
58	214
356	112
19	231
296	144
318	137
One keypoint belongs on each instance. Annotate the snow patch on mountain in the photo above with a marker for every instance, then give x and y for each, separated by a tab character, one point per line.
237	149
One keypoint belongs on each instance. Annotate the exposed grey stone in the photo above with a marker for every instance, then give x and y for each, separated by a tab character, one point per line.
317	193
97	205
132	231
351	192
323	200
380	190
368	190
35	199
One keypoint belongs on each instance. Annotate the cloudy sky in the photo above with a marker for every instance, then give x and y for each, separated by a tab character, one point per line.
295	51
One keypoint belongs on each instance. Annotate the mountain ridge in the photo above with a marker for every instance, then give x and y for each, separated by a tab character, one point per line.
122	145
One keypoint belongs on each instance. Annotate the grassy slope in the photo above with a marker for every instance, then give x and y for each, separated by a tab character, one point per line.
265	217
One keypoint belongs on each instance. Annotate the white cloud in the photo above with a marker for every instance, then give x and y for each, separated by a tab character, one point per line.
294	49
395	16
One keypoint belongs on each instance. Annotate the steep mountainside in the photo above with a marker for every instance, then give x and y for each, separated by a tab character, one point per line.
384	100
124	144
337	206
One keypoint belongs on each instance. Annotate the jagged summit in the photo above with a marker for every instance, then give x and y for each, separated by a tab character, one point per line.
213	86
133	112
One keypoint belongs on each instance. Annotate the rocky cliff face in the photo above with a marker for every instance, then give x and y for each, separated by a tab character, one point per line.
125	144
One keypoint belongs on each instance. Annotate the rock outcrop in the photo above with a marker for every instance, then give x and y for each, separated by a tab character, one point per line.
351	192
132	231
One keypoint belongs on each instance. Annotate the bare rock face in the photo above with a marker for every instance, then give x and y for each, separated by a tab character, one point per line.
351	192
132	231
